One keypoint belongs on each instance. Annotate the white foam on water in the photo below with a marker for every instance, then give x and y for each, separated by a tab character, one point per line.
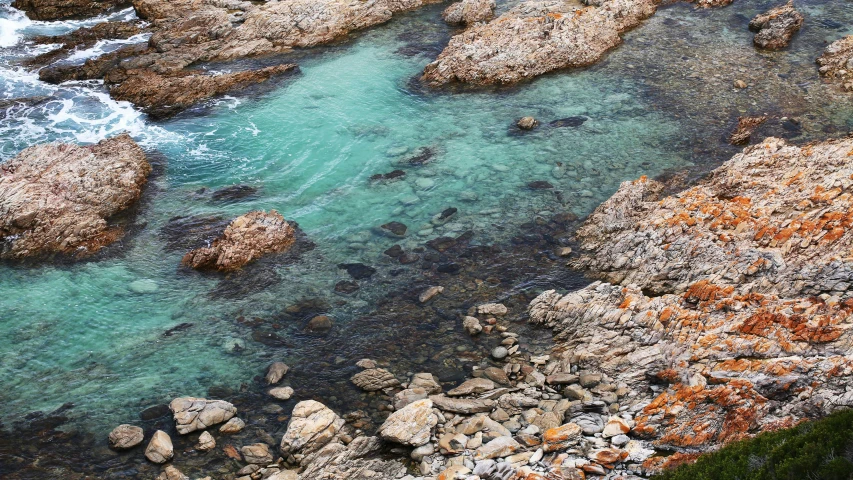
104	46
12	23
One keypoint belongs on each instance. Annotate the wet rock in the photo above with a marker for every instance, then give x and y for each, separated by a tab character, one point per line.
320	323
499	353
527	123
246	239
155	412
468	12
125	436
494	309
539	185
235	425
393	175
571	122
65	9
275	372
776	26
172	473
312	425
745	127
205	442
395	228
193	414
257	454
472	386
441	244
472	325
421	156
374	379
358	271
533	38
82	39
159	449
234	193
395	251
430	293
281	393
412	425
836	63
462	405
162	96
58	198
346	287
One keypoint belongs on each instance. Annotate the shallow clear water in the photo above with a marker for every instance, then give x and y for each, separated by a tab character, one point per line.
91	333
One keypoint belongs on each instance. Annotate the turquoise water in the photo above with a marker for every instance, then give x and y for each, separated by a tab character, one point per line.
92	333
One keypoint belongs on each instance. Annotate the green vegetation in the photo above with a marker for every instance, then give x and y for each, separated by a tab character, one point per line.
819	450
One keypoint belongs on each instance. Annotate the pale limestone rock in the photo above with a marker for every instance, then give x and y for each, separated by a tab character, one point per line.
257	454
205	442
232	426
159	449
412	425
125	436
312	425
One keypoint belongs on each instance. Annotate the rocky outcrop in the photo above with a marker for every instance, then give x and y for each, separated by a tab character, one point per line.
246	239
63	9
162	96
728	308
775	27
533	38
193	414
61	198
469	12
836	63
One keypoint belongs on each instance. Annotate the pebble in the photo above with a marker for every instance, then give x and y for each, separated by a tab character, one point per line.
499	353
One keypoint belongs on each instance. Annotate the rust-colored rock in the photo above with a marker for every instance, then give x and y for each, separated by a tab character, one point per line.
745	127
246	239
61	198
775	27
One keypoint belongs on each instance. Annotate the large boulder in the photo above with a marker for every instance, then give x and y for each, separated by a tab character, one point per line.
312	425
61	198
412	425
776	26
193	414
125	436
159	449
246	239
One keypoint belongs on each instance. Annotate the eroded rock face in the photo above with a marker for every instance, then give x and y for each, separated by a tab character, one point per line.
246	239
312	426
469	12
776	26
59	198
336	461
62	9
748	328
374	379
162	96
533	38
836	63
193	414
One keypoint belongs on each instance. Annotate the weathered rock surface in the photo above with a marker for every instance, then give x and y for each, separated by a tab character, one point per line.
360	457
312	425
775	27
193	414
246	239
462	405
60	198
162	96
469	12
206	442
748	330
275	372
533	38
412	425
257	453
159	449
472	386
745	127
836	63
125	436
62	9
374	379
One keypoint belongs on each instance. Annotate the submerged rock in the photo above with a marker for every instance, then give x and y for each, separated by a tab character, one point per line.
64	9
275	372
776	26
60	198
468	12
193	414
527	123
246	239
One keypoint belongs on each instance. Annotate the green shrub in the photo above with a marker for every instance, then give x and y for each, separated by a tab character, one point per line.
818	450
